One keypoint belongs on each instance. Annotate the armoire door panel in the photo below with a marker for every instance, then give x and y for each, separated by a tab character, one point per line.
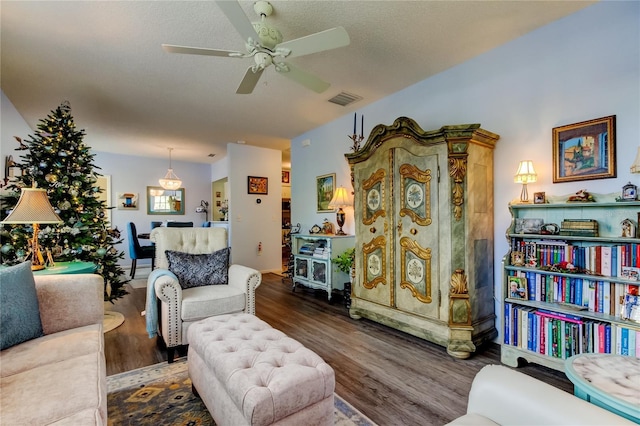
416	183
372	256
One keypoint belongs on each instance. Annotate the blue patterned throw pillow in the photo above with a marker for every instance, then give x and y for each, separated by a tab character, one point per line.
19	309
195	270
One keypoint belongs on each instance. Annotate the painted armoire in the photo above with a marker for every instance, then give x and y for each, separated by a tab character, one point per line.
424	232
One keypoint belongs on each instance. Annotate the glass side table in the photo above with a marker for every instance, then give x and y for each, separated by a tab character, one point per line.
608	381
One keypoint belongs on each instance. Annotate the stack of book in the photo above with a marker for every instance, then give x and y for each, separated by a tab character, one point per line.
322	252
579	227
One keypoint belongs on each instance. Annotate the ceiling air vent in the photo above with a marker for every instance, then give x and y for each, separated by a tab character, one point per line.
344	98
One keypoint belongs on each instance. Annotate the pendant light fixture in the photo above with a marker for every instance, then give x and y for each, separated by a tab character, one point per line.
170	181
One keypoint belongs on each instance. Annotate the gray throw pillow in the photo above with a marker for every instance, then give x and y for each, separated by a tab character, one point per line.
19	309
195	270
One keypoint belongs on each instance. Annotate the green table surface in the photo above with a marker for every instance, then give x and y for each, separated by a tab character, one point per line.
69	268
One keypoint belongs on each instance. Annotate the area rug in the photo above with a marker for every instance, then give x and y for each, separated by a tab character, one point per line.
161	395
111	321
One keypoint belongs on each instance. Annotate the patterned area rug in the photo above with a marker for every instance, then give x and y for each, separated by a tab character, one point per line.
161	395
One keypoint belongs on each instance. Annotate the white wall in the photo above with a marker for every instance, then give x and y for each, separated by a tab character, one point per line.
581	67
253	223
12	124
134	174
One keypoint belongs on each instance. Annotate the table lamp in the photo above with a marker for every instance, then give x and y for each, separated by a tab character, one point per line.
33	208
524	175
340	199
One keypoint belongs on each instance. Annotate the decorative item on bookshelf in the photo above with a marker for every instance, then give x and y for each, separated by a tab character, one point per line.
518	288
631	308
539	198
629	193
528	226
581	196
628	228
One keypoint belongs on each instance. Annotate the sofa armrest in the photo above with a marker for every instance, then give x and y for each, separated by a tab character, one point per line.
508	397
249	279
69	301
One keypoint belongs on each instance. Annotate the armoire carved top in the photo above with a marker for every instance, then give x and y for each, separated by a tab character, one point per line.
457	137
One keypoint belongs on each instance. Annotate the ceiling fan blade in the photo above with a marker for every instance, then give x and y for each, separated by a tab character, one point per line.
318	42
238	19
199	51
308	80
249	81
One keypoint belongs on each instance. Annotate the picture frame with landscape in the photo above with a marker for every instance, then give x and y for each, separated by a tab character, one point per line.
325	188
585	150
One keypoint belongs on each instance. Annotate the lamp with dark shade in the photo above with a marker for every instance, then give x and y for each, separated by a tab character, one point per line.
33	208
340	199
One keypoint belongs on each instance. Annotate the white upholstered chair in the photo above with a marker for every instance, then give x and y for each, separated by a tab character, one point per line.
170	308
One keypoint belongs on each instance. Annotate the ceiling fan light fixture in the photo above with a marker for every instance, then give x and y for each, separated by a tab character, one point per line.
170	180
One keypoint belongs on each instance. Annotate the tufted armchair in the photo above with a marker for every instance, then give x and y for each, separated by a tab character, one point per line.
170	308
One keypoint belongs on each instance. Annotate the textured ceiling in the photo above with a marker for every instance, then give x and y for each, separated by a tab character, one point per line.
132	97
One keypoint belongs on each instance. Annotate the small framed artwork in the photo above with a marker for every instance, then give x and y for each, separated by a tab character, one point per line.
539	198
286	176
325	187
517	288
517	258
585	150
257	185
218	194
528	226
127	201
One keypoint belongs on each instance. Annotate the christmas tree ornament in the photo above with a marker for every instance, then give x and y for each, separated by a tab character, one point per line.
6	248
50	177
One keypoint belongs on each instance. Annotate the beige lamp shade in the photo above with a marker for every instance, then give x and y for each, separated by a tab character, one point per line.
525	173
635	167
33	207
340	199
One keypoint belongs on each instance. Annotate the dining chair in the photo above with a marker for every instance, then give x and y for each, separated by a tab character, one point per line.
155	224
136	251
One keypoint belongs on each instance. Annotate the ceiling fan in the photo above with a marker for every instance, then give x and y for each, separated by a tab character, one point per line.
264	43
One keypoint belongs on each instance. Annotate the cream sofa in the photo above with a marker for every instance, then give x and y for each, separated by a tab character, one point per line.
59	378
502	396
179	308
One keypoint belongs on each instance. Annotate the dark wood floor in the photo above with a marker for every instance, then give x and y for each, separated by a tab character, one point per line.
392	377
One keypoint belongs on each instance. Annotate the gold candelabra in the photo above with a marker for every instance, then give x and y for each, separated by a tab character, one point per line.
356	139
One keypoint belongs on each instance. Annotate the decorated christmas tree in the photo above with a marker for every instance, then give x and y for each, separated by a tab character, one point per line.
56	159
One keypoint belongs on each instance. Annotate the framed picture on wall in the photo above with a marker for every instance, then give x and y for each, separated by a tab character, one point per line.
286	176
585	150
257	185
325	187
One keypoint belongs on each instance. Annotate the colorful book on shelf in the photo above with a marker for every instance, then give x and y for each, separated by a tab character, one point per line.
560	316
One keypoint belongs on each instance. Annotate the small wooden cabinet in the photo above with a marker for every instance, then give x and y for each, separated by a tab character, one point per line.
312	264
574	282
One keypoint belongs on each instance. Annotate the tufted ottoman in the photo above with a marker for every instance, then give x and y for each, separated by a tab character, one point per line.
248	373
